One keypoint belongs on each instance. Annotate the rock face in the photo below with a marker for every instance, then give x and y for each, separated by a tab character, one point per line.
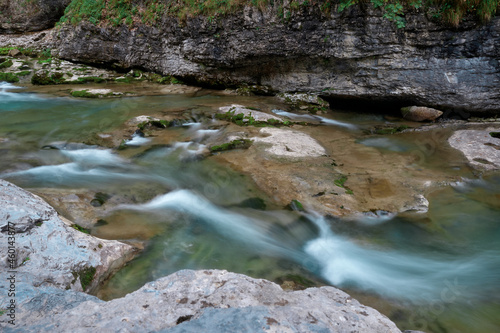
45	251
208	301
17	16
420	113
348	56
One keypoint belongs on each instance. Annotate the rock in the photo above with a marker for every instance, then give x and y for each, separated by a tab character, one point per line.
481	149
289	143
420	113
19	16
310	102
14	53
47	251
208	301
257	115
356	55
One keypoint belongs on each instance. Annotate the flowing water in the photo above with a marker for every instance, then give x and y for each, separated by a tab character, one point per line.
438	274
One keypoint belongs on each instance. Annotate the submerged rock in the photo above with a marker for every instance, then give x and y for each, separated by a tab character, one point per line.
46	251
481	149
208	301
289	143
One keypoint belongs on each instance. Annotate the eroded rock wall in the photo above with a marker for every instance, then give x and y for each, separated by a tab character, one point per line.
356	54
19	16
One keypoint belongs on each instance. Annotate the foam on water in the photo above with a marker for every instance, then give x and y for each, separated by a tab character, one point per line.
245	229
137	140
6	96
391	273
337	123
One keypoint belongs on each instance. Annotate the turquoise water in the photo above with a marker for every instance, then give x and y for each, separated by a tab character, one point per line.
437	272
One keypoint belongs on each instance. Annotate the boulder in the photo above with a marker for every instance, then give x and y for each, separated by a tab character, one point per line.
204	301
18	16
45	250
420	113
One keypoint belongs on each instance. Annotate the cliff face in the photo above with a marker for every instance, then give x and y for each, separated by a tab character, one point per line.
18	16
355	55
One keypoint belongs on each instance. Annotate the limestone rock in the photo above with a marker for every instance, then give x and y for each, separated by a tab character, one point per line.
289	143
420	113
46	250
257	115
480	148
22	16
354	55
208	301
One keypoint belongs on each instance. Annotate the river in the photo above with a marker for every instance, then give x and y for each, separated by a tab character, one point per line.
437	273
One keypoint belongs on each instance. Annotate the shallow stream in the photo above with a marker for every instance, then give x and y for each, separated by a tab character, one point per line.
436	272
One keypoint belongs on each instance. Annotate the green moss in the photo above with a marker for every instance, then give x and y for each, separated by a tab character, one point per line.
91	79
296	205
99	199
80	228
235	144
300	280
100	223
83	94
9	77
340	181
23	73
6	64
125	79
86	276
44	78
495	135
255	203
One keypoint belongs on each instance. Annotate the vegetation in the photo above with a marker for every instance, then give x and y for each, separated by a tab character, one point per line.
45	79
6	64
9	77
340	182
235	144
86	276
296	205
83	94
23	73
27	52
241	120
495	135
80	228
150	12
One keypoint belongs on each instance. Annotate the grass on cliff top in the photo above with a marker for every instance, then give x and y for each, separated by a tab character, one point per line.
150	12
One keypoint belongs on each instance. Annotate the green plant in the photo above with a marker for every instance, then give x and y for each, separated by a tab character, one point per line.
9	77
6	64
80	228
86	276
235	144
83	94
43	78
340	181
23	73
